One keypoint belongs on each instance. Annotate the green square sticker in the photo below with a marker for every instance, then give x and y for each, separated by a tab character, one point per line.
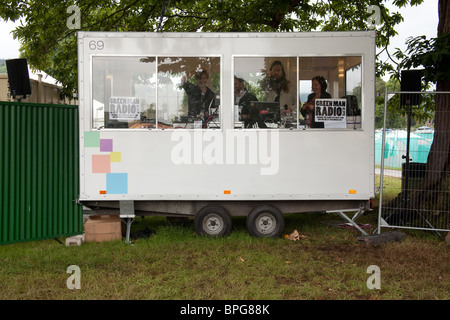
92	139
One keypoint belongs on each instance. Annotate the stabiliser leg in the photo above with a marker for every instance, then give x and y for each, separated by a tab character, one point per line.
127	215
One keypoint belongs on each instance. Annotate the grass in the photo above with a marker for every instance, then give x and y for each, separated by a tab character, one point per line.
175	263
391	188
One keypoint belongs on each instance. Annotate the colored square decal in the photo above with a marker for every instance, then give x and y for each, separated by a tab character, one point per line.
92	139
116	156
106	145
101	163
117	183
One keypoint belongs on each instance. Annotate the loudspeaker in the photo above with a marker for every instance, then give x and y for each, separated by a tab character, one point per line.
411	80
19	80
352	105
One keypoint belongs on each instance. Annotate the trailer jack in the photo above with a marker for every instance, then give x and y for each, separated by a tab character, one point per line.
352	221
127	215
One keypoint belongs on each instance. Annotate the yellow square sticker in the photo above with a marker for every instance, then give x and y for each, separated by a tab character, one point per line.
116	157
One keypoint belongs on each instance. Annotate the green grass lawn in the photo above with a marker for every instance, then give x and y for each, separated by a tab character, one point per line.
174	263
327	262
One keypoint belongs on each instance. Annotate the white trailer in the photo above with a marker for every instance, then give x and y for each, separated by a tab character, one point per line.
153	143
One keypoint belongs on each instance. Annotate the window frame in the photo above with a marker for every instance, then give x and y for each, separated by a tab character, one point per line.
157	101
299	127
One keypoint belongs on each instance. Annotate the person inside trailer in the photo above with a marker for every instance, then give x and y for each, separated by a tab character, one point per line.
319	91
243	99
201	99
279	88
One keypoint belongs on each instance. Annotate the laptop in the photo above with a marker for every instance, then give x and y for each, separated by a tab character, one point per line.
266	111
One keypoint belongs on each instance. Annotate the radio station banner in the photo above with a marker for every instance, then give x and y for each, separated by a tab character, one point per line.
124	108
332	112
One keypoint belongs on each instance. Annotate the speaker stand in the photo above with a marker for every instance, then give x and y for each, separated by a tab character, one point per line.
406	202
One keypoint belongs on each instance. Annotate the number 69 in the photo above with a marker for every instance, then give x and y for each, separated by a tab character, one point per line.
96	45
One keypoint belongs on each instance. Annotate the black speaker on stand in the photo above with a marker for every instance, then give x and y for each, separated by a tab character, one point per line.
411	81
18	77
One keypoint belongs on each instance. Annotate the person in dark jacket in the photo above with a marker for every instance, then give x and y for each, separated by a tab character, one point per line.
200	97
319	91
243	99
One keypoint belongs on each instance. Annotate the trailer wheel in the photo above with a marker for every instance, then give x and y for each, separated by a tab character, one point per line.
213	222
265	222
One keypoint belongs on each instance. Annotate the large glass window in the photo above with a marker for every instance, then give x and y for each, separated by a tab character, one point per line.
188	92
330	92
297	93
123	90
265	92
184	92
155	92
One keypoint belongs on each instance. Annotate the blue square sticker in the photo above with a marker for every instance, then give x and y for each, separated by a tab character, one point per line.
117	183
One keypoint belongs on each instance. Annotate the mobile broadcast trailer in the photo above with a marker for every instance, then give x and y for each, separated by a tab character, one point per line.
144	151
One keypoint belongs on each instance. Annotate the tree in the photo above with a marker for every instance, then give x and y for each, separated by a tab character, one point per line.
433	55
50	46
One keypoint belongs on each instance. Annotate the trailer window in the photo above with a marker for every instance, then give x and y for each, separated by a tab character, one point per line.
265	92
188	92
123	91
337	80
155	92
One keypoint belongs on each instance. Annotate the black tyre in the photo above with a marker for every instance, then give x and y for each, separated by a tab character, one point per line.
265	222
213	221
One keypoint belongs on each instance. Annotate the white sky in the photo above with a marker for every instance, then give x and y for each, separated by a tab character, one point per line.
419	20
10	47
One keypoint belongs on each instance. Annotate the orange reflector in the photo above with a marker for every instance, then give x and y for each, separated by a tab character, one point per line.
352	191
102	191
226	191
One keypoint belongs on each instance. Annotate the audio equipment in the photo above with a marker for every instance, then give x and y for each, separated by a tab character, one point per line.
411	80
18	77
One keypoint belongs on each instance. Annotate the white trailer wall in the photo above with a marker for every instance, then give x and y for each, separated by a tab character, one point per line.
228	163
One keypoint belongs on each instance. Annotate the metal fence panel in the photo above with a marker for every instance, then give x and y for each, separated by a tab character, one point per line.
407	198
38	172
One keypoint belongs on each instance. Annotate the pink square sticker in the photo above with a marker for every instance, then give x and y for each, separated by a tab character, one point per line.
101	163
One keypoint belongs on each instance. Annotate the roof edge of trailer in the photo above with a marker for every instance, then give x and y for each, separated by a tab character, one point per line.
130	34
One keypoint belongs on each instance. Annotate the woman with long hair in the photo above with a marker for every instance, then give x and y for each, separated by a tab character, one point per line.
319	91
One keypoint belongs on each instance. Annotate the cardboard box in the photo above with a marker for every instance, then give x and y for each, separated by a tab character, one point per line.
103	228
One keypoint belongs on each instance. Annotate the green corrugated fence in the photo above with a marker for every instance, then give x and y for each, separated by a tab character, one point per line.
38	172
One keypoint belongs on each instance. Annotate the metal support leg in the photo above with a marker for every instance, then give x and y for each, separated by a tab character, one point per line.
382	223
352	221
128	222
127	215
357	214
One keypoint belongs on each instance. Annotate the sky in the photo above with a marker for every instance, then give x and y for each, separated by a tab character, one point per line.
418	20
